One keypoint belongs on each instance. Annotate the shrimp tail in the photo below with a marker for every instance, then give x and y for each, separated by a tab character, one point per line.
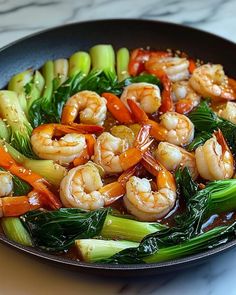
164	178
221	140
157	131
35	180
192	65
117	108
115	190
184	106
167	104
76	128
134	155
18	205
88	152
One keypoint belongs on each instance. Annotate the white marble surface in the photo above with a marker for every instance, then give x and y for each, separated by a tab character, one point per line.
23	275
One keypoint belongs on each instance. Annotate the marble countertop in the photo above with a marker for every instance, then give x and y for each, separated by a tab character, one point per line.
23	275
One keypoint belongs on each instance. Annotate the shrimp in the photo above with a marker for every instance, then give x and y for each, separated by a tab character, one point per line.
83	188
148	205
88	105
66	149
173	127
6	183
145	94
214	159
228	112
176	68
114	154
184	96
172	157
210	81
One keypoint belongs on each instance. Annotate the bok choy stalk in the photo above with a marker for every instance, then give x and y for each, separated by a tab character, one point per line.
103	58
15	231
122	62
58	230
51	171
5	133
61	68
79	62
17	84
216	197
204	119
118	227
92	250
40	109
11	111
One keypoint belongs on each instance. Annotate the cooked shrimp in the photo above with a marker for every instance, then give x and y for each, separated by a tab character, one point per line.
6	183
176	68
173	157
114	154
65	149
228	112
210	81
173	127
148	205
88	105
145	94
83	188
214	159
184	96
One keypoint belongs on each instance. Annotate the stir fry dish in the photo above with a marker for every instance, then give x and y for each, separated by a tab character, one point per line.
119	157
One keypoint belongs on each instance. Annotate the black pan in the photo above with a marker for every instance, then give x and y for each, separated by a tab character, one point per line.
33	51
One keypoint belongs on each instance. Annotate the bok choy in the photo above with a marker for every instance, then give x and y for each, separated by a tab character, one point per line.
20	128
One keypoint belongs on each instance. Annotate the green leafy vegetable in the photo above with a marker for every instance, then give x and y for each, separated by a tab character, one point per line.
199	140
57	230
204	119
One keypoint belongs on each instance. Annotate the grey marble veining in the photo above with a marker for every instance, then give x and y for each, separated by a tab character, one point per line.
23	17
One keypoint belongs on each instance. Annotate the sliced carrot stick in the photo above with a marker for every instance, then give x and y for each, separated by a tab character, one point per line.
117	108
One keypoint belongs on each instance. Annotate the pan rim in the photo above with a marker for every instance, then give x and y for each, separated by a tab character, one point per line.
121	267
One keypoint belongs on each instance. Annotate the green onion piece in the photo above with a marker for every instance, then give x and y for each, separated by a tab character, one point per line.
116	228
103	58
79	62
15	231
122	62
92	250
